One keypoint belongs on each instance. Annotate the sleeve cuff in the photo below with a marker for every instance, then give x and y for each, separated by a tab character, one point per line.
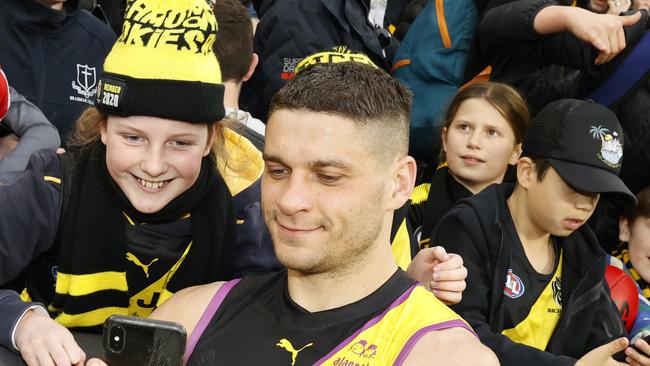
37	308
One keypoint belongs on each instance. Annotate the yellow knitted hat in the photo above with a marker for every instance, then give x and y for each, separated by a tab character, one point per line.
163	64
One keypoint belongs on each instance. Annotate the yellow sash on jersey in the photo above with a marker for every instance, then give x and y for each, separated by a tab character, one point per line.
388	338
536	330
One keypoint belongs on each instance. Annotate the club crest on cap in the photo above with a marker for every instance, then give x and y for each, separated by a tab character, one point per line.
611	149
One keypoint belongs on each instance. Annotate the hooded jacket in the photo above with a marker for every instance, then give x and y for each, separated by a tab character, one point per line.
475	230
53	58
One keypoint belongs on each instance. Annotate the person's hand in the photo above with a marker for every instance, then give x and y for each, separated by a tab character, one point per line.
603	31
44	342
441	273
641	4
602	356
618	6
8	144
635	358
96	362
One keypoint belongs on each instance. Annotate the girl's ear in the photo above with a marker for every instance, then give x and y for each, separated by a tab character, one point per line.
212	135
443	136
103	131
516	153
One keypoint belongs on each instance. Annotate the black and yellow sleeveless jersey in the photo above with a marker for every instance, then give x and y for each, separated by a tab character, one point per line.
257	323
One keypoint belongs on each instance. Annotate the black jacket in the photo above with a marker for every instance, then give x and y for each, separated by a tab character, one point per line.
290	30
530	61
53	58
474	230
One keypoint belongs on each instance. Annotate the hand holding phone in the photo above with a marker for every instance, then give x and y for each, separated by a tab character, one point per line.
131	341
620	356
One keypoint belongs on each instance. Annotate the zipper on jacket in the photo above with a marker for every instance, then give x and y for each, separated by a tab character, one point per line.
43	83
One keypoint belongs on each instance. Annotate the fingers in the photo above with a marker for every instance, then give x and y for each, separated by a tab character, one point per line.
448	297
74	353
452	286
636	358
608	36
59	355
615	346
95	362
436	253
453	261
627	20
455	274
44	342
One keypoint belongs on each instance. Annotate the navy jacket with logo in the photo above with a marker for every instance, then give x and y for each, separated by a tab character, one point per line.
52	57
474	229
290	30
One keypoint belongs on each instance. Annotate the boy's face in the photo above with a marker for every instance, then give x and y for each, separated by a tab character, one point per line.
479	144
557	208
637	237
326	196
153	160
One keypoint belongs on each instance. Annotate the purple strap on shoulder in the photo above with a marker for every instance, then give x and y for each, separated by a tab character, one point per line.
209	312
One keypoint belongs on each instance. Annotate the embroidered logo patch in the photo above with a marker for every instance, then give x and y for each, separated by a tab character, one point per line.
514	286
288	66
85	84
110	92
611	149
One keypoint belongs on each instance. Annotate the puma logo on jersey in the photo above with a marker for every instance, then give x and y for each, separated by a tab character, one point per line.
284	343
145	267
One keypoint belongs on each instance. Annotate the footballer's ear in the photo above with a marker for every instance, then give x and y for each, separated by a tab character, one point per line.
404	181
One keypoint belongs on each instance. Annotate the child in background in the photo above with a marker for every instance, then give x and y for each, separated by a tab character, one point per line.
633	256
481	138
135	210
536	293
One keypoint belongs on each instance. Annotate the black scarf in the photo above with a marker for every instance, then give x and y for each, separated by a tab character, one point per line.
444	192
93	240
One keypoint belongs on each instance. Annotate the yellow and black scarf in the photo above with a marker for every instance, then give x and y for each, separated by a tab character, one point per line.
91	280
624	255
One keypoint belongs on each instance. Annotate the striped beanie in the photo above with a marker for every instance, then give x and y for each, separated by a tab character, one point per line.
163	65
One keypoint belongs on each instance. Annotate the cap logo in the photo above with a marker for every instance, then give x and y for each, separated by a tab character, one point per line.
338	54
611	149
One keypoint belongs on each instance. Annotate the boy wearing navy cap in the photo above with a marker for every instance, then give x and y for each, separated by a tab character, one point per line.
535	290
